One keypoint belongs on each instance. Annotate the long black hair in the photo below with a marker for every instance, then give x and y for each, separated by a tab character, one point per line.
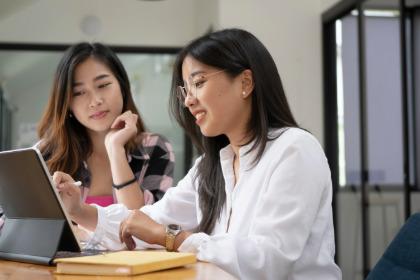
234	51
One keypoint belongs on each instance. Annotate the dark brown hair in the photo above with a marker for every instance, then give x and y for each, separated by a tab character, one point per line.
64	141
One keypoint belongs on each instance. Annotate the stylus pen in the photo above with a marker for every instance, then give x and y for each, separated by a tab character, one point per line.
77	184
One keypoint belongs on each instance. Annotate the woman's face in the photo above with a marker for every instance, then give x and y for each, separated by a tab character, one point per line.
96	96
219	105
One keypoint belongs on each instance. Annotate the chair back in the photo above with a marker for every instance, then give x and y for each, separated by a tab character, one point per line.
401	259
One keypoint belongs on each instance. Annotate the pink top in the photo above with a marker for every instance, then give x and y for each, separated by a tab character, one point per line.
102	200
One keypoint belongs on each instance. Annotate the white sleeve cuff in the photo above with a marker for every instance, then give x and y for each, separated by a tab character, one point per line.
194	242
106	234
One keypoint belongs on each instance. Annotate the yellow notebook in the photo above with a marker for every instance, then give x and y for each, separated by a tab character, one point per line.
123	263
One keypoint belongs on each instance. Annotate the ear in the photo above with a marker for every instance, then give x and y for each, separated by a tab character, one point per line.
247	83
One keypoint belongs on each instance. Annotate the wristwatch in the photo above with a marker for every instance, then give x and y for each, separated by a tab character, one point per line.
172	231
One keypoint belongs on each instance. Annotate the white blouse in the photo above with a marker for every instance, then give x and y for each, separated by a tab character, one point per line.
281	221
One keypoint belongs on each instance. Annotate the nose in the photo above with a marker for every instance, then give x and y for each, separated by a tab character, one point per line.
95	99
190	100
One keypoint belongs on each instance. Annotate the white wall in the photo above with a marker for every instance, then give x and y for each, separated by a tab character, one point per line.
291	30
326	4
206	15
128	22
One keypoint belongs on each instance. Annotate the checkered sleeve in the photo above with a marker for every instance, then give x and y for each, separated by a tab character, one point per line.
160	171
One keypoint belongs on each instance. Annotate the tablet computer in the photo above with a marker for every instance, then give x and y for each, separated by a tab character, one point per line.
36	226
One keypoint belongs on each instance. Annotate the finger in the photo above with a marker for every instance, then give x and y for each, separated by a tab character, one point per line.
60	177
67	187
131	117
63	192
134	117
126	115
118	123
129	242
130	121
56	178
121	231
125	237
64	186
127	119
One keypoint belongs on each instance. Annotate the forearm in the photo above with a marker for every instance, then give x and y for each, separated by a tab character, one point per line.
130	195
87	217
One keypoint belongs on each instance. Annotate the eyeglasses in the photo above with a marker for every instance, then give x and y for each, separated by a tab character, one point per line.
190	89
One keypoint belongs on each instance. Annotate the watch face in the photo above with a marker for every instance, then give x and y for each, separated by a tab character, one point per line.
174	227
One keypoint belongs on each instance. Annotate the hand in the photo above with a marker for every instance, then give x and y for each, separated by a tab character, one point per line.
122	130
69	193
139	225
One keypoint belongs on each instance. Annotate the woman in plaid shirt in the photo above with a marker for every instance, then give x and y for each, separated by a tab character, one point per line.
91	130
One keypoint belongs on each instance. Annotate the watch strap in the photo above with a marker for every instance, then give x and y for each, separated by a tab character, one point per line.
171	232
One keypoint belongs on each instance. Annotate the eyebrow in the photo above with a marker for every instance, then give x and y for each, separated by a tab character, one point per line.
195	73
97	78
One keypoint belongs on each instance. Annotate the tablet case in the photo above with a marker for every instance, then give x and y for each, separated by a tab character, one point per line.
36	226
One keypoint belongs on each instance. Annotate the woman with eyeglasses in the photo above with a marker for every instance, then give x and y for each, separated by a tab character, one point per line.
257	203
91	129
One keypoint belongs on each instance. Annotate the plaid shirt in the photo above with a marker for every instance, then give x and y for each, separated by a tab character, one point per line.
152	163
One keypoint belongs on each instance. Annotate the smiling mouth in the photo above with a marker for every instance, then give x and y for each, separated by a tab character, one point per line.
200	115
99	115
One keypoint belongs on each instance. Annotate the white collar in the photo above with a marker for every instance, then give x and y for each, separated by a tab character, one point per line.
246	153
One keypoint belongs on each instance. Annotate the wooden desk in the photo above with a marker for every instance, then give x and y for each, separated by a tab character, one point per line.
201	270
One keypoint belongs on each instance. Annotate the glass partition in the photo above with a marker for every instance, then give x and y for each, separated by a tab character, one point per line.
366	144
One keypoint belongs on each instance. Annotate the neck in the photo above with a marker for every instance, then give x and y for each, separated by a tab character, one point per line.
235	151
98	143
237	142
239	133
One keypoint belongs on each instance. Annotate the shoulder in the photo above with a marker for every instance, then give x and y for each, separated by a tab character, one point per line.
301	151
293	137
298	144
151	140
153	145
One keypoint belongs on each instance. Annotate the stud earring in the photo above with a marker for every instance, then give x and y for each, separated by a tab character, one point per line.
70	115
243	93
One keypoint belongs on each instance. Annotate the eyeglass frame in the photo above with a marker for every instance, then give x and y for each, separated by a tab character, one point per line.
182	92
